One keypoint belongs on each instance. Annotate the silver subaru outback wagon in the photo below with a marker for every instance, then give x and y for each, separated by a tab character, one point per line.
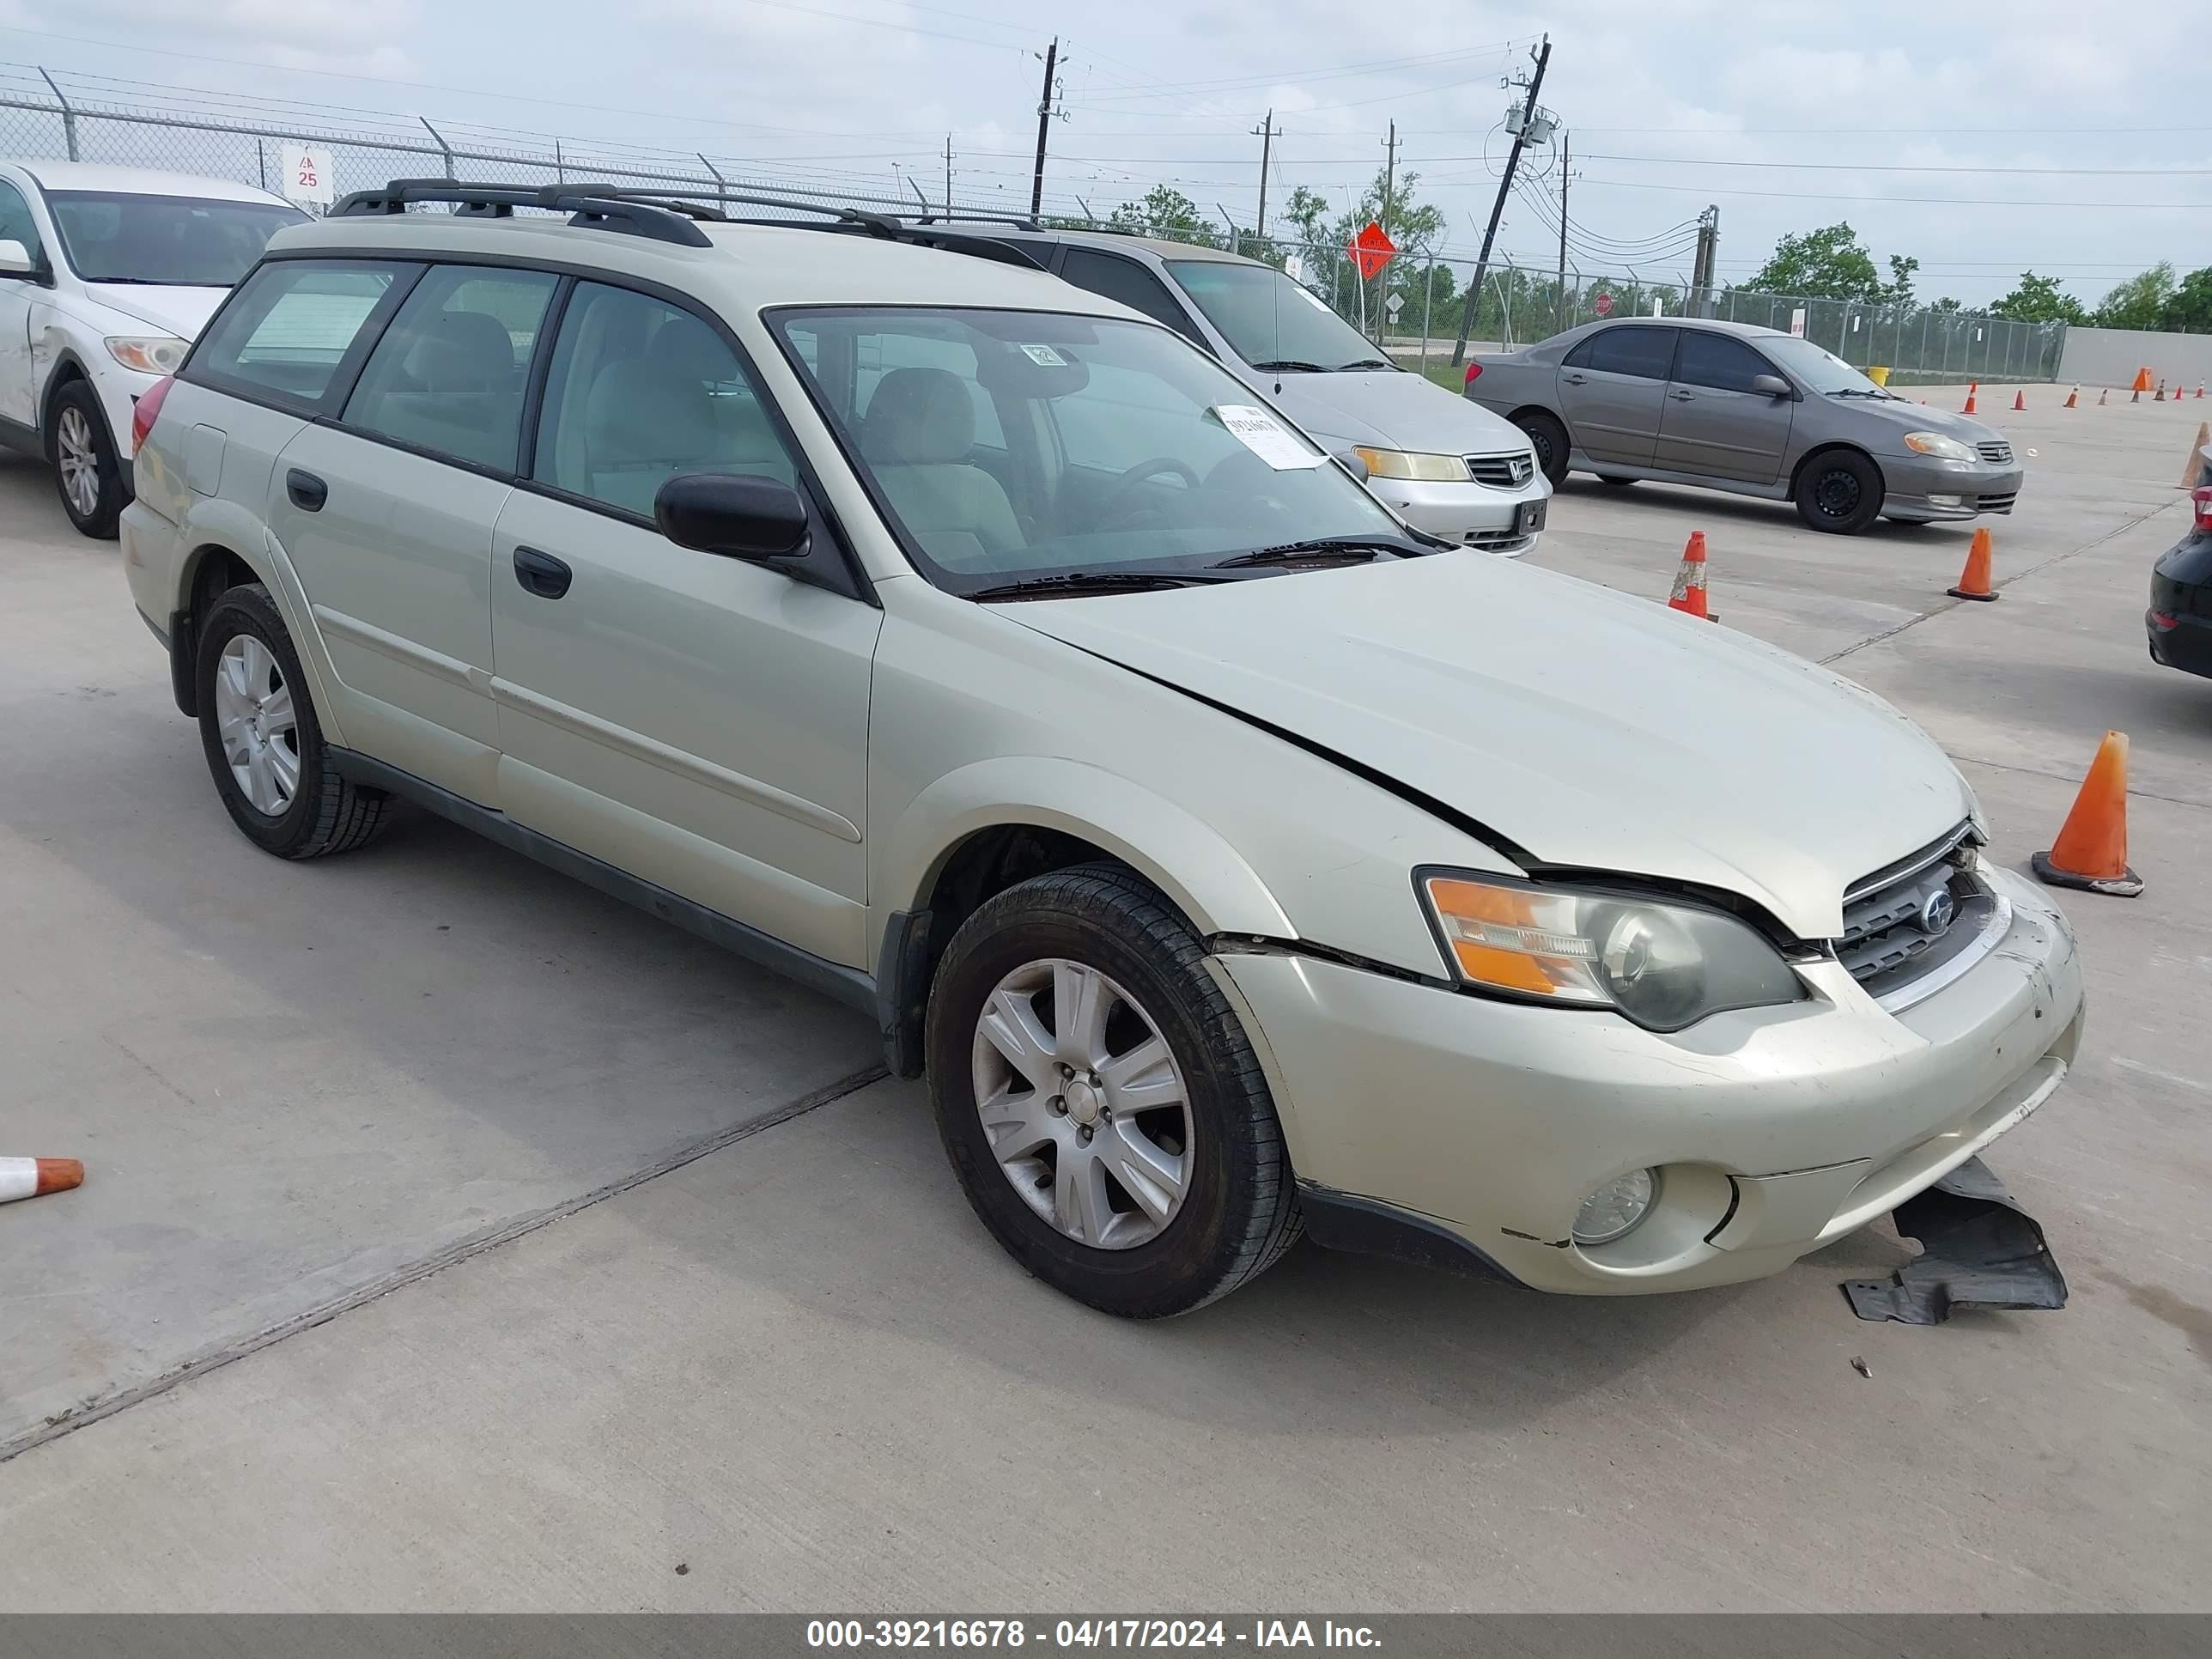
1231	858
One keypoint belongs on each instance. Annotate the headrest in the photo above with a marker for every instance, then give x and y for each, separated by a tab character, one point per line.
644	413
462	351
918	416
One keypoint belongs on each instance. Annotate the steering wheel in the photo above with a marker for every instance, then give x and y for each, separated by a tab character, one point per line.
1119	503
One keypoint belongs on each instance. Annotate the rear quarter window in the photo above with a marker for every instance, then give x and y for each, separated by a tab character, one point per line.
289	327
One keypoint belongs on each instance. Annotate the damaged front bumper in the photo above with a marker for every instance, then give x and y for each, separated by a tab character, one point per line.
1474	1129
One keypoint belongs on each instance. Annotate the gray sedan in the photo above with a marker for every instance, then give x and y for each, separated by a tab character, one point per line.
1751	410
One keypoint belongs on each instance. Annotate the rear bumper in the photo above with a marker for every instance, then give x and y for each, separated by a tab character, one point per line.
1484	1125
1926	491
2185	642
1473	514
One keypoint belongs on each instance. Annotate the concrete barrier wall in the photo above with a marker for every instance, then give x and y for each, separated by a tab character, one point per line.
2110	356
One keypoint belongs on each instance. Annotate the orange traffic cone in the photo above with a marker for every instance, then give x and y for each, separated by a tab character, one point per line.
1689	594
2192	463
2073	399
2200	388
2142	380
2092	849
2019	400
1974	580
1971	390
34	1177
2160	396
2100	399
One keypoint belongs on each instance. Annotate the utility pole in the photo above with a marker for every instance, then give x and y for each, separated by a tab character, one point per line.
1701	273
1265	133
1044	124
1498	209
948	175
1389	188
1559	287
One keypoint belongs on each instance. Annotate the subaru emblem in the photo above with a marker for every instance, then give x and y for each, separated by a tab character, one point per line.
1937	912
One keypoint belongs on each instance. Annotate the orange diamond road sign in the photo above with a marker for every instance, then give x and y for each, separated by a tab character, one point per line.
1372	249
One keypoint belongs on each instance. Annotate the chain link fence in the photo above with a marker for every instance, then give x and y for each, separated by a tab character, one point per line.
82	117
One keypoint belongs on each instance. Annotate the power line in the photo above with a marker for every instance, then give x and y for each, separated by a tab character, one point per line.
1880	166
1907	201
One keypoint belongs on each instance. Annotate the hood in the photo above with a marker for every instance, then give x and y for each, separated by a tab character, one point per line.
1589	728
1391	409
182	312
1909	416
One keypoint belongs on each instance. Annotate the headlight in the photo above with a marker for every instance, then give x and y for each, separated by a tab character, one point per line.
1401	464
1664	966
1936	443
149	354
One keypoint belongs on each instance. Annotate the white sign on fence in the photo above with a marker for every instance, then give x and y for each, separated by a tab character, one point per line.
1797	322
306	175
1394	304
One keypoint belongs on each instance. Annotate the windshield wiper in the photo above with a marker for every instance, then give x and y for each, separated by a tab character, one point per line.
1093	581
1290	365
1865	391
1366	363
1322	550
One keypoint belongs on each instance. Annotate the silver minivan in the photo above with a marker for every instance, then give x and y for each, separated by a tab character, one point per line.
1445	465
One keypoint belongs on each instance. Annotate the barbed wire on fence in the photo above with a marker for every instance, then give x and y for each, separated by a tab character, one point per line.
82	116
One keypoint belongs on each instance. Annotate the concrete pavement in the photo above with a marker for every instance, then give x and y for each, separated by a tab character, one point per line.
351	1128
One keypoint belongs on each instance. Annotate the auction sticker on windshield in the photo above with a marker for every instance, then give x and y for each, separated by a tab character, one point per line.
1044	356
1266	436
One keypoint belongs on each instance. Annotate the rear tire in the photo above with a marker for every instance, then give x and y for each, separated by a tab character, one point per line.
1210	1201
1839	492
1549	440
87	471
263	743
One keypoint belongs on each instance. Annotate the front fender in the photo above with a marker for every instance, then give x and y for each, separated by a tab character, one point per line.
1185	858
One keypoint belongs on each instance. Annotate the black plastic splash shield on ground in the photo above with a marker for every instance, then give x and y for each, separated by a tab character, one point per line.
1979	1250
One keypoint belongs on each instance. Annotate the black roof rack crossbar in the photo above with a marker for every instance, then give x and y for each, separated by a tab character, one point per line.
593	207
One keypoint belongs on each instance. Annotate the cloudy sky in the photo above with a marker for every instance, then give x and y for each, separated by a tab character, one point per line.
1981	140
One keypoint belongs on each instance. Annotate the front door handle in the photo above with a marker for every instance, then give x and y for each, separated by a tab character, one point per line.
1572	380
541	573
1682	397
308	493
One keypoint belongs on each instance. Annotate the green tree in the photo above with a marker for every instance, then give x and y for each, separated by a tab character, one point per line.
2138	301
1828	264
1947	303
1166	212
2039	300
1898	290
2189	309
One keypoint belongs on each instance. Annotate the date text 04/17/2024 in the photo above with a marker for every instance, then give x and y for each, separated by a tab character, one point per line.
1087	1634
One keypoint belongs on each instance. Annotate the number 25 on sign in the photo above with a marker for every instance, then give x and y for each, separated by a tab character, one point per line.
308	175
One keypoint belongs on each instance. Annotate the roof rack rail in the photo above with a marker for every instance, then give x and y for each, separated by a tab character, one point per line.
667	215
660	219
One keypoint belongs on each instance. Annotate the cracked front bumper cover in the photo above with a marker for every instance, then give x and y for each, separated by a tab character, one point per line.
1979	1250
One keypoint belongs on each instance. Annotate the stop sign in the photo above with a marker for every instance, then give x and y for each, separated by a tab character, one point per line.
1602	305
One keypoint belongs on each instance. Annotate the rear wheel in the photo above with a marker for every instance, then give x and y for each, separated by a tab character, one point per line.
1549	440
1839	492
264	745
87	470
1099	1100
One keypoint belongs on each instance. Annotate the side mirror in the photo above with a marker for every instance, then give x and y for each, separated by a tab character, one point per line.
732	514
1773	385
1353	463
15	260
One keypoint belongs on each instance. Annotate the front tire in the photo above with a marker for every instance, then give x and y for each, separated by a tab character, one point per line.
263	743
1548	438
1840	492
1099	1100
87	471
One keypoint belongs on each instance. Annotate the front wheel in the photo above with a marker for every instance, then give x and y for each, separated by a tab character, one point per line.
1100	1100
1549	440
1840	492
87	470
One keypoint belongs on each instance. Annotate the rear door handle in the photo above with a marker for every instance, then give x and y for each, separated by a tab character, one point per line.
1682	397
541	573
308	493
1572	380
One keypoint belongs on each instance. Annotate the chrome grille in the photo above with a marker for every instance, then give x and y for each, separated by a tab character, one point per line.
1996	454
1503	471
1909	919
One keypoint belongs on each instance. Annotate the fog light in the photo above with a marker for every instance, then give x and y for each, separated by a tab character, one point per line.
1614	1209
1946	500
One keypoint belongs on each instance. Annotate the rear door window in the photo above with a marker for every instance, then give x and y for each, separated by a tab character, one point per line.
1643	352
448	375
291	325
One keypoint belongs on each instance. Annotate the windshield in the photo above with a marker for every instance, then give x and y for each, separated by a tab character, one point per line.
1819	369
177	241
1006	444
1268	318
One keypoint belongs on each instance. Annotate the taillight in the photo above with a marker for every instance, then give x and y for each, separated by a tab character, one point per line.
2163	620
1472	369
146	411
2201	500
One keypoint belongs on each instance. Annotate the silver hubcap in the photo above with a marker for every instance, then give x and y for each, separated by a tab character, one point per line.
79	459
253	717
1083	1105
